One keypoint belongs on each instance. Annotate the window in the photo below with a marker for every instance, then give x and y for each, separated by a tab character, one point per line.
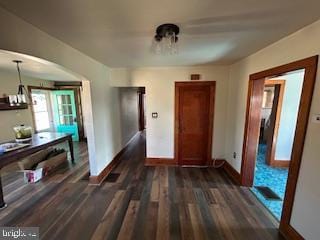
41	112
65	110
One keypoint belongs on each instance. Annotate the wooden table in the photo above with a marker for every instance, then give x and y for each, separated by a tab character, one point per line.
39	142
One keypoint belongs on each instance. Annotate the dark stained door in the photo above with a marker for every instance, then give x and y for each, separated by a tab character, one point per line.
194	110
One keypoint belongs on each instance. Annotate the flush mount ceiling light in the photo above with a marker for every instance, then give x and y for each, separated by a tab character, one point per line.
166	39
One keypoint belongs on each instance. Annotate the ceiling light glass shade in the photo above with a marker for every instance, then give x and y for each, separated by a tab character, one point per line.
168	45
21	98
166	40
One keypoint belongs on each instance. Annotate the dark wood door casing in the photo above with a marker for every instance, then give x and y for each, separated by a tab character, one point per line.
252	125
141	110
194	110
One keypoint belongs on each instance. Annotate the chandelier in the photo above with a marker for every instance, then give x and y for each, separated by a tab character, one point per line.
166	39
22	95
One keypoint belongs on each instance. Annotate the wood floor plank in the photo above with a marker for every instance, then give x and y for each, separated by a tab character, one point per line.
150	229
196	222
163	176
119	216
185	222
223	222
138	232
155	189
103	227
174	221
173	196
163	215
208	221
129	220
186	178
178	176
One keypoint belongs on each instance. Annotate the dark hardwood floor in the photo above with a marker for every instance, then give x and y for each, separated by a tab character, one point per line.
135	202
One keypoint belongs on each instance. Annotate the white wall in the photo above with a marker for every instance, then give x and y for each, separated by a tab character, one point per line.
8	119
102	121
129	114
289	114
304	43
159	83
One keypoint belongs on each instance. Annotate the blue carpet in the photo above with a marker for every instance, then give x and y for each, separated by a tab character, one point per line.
274	178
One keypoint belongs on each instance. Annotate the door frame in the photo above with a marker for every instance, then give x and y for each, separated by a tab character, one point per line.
272	140
252	125
212	86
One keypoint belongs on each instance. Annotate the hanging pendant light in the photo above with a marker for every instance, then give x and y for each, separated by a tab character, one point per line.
21	96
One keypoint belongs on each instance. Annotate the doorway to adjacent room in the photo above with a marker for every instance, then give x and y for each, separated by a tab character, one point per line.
42	110
57	109
286	146
279	112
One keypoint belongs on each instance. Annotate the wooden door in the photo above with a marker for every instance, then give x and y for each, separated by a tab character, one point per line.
64	111
194	102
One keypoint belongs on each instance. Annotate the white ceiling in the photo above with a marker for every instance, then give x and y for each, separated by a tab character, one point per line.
119	33
36	67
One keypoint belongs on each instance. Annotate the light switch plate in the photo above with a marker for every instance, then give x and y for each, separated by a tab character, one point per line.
316	118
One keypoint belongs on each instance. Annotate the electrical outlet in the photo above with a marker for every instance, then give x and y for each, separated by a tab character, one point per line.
234	155
316	118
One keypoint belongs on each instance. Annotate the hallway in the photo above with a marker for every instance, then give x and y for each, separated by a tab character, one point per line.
136	202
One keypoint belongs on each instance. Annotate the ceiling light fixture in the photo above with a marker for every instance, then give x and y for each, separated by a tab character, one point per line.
21	96
166	39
